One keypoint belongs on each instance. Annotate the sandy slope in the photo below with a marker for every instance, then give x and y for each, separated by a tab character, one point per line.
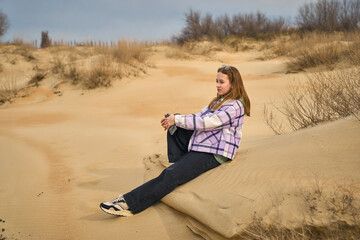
61	156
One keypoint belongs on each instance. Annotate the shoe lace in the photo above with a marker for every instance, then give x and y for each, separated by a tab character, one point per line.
118	199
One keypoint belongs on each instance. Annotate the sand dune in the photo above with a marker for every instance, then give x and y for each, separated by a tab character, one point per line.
60	156
270	180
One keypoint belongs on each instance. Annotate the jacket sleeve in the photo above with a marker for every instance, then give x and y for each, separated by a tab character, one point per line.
222	118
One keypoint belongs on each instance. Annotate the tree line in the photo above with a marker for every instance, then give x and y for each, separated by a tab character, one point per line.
323	15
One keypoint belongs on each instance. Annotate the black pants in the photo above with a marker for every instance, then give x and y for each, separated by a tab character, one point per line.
187	166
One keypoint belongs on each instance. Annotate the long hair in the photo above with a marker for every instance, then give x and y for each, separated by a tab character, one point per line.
236	92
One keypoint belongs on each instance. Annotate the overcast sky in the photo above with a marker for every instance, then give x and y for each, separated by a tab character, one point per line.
109	20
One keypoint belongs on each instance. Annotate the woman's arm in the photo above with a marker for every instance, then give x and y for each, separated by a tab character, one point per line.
167	122
224	117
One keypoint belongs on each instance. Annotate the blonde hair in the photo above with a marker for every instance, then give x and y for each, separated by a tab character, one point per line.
237	91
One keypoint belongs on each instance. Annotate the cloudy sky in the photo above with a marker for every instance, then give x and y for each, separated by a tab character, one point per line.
109	20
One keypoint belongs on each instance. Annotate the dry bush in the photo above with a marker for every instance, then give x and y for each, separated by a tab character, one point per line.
271	120
99	75
323	97
66	66
73	73
58	65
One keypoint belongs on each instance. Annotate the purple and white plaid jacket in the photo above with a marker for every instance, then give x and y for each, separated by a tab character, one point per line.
217	132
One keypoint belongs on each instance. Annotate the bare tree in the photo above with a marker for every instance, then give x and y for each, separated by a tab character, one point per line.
329	15
4	23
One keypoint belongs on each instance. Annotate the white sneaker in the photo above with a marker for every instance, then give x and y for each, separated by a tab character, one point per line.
116	207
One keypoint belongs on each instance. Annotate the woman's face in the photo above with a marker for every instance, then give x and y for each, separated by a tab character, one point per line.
223	84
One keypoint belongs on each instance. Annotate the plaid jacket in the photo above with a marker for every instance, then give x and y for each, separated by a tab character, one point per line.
217	132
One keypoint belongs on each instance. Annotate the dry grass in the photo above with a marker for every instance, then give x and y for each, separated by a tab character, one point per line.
24	48
99	75
98	66
327	55
312	49
194	48
325	96
335	231
127	52
72	72
203	48
340	205
58	65
8	88
177	52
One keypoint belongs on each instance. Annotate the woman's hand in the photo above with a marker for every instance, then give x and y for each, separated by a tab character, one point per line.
167	122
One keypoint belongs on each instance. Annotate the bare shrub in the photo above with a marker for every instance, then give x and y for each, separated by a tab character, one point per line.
45	39
192	30
4	23
323	97
272	122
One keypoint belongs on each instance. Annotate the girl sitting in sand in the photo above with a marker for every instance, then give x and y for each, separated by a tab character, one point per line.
201	142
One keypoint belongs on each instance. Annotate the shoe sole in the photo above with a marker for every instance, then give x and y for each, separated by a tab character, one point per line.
123	213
